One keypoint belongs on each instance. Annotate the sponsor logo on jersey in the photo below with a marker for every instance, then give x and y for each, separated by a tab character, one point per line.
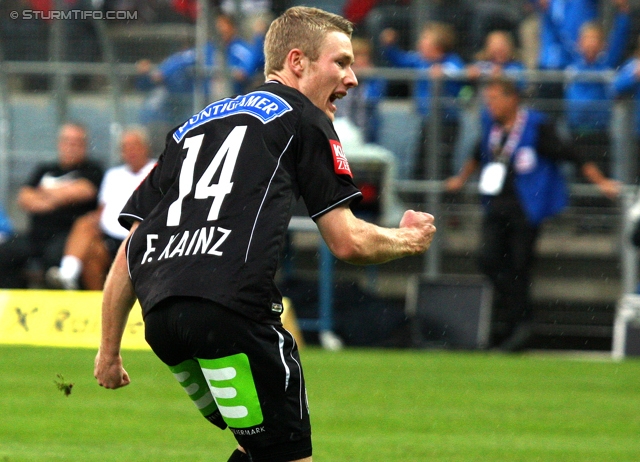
340	162
262	105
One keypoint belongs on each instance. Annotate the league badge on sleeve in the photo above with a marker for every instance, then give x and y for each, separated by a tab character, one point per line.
340	162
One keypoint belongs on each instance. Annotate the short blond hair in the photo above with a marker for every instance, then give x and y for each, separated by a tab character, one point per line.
300	27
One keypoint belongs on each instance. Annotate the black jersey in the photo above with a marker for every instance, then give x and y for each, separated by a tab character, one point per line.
216	207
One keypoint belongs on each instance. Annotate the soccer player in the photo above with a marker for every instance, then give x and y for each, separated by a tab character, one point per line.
207	227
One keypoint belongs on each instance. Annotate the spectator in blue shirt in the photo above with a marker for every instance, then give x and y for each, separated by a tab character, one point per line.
588	103
360	106
240	55
173	81
9	277
627	82
560	25
171	85
6	228
496	59
434	55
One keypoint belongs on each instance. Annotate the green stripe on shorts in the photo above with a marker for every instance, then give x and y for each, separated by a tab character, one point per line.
189	374
231	383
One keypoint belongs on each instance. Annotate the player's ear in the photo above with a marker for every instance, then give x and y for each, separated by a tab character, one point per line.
296	61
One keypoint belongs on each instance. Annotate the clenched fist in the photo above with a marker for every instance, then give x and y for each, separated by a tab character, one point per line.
109	372
422	229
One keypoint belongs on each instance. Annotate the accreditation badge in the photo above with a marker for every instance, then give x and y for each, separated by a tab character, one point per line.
492	178
525	160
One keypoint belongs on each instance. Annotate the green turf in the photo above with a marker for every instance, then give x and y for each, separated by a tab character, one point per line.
366	405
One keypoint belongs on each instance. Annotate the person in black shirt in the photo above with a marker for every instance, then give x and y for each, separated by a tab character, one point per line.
56	194
208	225
521	185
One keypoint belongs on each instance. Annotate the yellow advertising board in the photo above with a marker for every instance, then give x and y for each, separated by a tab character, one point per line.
60	318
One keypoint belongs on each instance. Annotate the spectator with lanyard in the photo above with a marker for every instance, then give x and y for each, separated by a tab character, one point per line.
521	185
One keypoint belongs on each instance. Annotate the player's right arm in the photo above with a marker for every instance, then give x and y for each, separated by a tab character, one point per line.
117	301
359	242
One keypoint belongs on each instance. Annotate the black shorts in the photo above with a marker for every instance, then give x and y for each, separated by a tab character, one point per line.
253	371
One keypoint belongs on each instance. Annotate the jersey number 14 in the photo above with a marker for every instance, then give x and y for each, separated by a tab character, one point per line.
225	158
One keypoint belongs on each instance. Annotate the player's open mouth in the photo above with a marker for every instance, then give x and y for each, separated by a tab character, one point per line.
334	97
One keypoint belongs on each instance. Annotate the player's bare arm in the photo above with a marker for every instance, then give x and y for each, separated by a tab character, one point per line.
356	241
118	299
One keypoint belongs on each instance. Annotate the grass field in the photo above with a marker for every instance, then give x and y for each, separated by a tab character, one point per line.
366	405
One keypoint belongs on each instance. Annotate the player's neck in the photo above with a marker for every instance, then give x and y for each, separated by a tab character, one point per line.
284	78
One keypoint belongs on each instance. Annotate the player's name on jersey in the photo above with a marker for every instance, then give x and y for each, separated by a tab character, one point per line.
260	104
199	242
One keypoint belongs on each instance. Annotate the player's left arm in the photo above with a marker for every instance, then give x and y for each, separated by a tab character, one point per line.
117	301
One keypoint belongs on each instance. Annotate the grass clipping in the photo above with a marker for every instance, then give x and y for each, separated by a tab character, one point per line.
63	386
